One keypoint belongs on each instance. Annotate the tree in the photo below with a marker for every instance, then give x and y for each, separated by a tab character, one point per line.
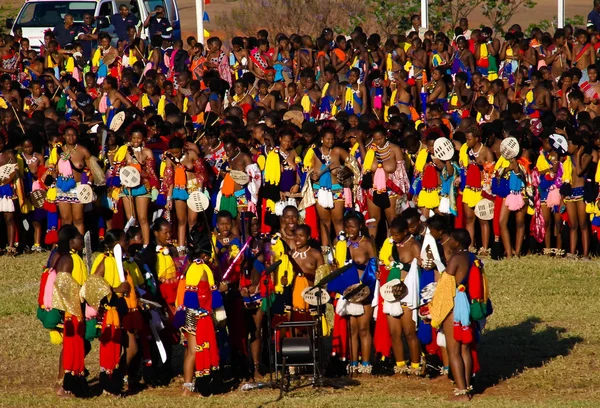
500	12
292	16
393	16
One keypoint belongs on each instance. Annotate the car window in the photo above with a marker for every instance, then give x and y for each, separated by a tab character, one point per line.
52	13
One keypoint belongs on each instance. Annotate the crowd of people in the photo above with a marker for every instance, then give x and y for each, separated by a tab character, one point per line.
197	168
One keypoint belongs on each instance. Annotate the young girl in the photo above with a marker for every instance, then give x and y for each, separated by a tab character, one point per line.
33	167
121	312
136	200
325	162
68	165
355	247
184	173
401	259
355	97
197	300
71	275
264	98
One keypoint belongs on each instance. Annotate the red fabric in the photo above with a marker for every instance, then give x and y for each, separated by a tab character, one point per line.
312	220
51	237
430	177
382	340
73	347
433	348
169	291
475	357
205	295
463	334
473	176
110	346
42	287
475	285
459	220
339	338
133	322
207	351
496	222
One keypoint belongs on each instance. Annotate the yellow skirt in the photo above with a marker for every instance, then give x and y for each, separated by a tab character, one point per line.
428	199
471	197
300	283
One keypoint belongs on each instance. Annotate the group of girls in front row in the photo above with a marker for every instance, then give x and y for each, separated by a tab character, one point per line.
138	302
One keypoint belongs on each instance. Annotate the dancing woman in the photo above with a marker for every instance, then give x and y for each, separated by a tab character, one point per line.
69	165
137	200
325	163
184	173
355	247
198	299
71	275
384	180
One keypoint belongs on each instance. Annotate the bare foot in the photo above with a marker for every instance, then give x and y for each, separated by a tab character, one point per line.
63	394
460	398
187	393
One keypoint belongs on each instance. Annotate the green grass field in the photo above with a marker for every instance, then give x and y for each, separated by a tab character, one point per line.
539	349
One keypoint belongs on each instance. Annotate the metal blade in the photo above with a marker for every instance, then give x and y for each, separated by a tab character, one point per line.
118	252
87	241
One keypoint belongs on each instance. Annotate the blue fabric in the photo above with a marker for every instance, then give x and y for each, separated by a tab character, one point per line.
325	178
6	191
462	309
500	187
65	184
180	194
136	191
113	182
340	283
545	184
369	277
161	200
52	221
424	332
179	319
515	183
217	299
190	300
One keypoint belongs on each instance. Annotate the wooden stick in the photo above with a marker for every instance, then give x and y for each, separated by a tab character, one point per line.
18	120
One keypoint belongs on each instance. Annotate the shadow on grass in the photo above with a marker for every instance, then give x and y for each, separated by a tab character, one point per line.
505	352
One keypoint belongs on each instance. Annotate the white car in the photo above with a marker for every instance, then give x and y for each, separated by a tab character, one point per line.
37	16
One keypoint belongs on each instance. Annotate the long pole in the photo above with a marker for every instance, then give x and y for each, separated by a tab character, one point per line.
561	13
424	14
200	20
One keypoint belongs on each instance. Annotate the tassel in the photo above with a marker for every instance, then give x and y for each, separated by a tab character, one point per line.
380	179
90	312
430	178
311	219
393	309
369	159
441	339
340	307
514	201
355	309
55	337
180	177
348	198
339	338
473	177
325	198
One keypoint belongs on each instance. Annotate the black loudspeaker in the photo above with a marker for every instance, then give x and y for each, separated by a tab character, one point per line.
297	350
